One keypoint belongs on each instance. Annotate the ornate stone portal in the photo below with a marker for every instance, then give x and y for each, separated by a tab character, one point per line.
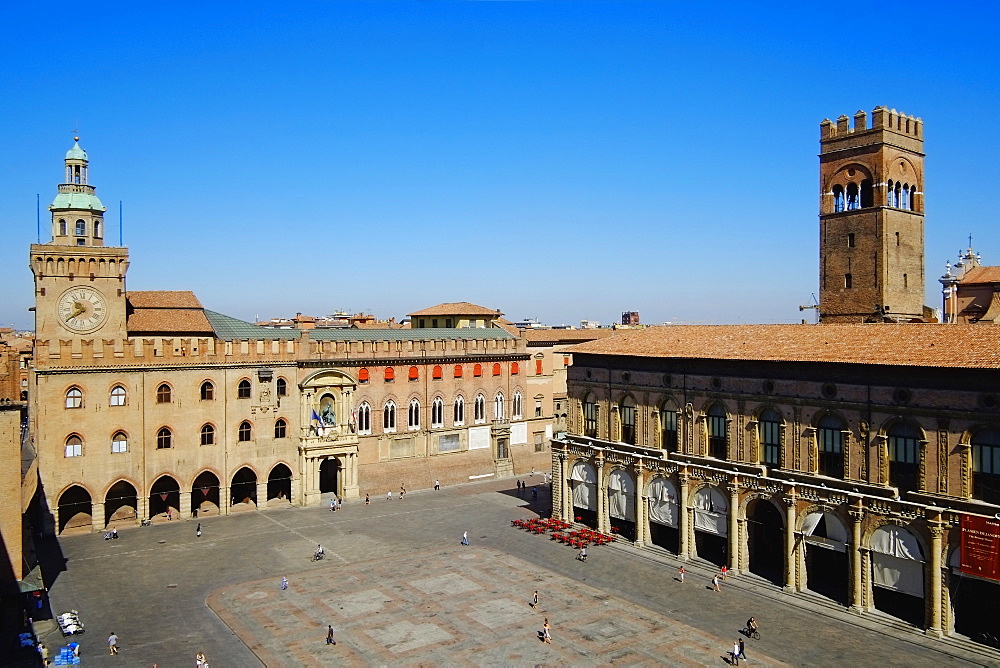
328	439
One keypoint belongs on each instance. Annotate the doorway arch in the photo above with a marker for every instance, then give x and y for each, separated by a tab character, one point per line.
75	508
165	493
205	494
973	602
765	540
279	483
827	563
583	491
120	503
621	503
329	476
898	573
243	489
663	514
711	525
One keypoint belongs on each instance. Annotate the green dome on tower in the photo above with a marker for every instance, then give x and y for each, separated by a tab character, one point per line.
76	153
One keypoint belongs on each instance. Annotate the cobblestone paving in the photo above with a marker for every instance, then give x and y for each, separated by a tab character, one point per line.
453	606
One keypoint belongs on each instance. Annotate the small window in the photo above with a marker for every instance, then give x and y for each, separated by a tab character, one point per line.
163	394
850	240
208	435
459	413
243	389
437	413
516	406
566	360
538	367
458	371
97	229
363	375
62	227
413	415
207	391
897	238
74	446
390	374
118	396
437	374
477	370
434	322
281	387
280	428
74	398
119	442
498	407
81	228
514	368
848	281
538	408
164	439
389	417
413	373
365	418
496	370
480	409
838	199
245	432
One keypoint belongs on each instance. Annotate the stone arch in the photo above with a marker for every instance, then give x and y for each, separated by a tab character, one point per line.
206	492
121	502
279	482
621	495
825	557
164	496
243	488
897	573
711	523
766	523
583	492
75	507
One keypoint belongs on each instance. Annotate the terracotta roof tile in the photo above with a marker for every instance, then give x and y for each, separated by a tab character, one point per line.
456	308
169	321
564	335
982	275
927	345
163	299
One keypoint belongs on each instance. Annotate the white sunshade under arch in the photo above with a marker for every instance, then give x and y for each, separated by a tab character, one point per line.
897	560
583	480
825	530
711	511
663	502
621	495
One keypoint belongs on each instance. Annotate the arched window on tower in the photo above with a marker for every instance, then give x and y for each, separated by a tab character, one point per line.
867	196
905	201
74	398
413	415
389	417
498	406
838	199
97	229
459	413
852	197
437	412
62	227
890	199
81	228
913	198
897	194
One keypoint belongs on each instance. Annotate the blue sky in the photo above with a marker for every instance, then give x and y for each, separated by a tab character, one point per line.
557	160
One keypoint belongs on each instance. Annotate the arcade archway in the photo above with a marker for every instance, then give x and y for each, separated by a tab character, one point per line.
663	514
827	565
898	573
74	509
164	494
766	540
711	526
329	476
621	503
583	490
974	601
205	494
279	483
243	489
120	503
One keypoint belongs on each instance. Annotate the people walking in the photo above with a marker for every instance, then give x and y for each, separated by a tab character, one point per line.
200	660
197	532
680	573
284	583
388	495
329	635
534	600
43	652
368	500
402	492
547	632
736	653
465	538
437	485
743	654
715	583
333	505
113	644
534	492
724	571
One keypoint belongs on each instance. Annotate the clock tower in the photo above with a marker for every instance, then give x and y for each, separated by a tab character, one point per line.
79	282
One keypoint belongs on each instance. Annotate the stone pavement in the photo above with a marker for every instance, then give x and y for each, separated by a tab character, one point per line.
400	590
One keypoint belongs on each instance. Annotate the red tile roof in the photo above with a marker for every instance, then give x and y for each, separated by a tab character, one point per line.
456	308
564	335
163	299
981	275
166	312
927	345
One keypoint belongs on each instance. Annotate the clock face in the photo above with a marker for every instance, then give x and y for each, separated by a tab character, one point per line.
82	310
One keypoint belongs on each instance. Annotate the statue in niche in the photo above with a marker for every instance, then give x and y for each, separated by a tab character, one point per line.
328	416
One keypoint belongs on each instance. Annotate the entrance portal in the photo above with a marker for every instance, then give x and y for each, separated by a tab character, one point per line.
205	494
243	489
120	503
165	493
329	476
975	603
74	508
279	483
766	541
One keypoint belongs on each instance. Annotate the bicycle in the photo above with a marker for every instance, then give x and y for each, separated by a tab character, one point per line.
752	633
319	556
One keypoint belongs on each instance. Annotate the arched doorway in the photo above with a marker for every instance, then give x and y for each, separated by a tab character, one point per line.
583	490
898	573
766	540
974	601
827	567
329	476
711	526
205	494
243	489
663	514
621	503
120	503
279	483
165	493
74	509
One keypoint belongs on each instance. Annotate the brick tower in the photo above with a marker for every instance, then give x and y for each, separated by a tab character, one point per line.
871	216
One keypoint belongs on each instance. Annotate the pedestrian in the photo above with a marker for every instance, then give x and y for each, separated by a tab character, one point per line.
715	583
333	506
743	653
170	513
465	538
402	492
329	635
547	632
199	659
114	533
368	500
198	532
340	503
534	600
736	653
583	554
284	583
43	652
437	485
112	644
724	571
680	573
388	495
534	492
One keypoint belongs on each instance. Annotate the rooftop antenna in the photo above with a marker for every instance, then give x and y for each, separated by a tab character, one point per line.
120	242
814	306
38	217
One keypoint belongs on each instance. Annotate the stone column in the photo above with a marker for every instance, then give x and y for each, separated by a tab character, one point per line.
734	526
184	511
791	560
261	495
641	522
97	516
602	495
935	593
225	502
857	603
141	508
683	519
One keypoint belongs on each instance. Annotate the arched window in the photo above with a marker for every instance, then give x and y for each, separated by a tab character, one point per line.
891	194
164	439
280	428
477	370
480	408
986	465
498	407
163	394
119	442
365	418
389	417
437	412
514	368
913	198
903	440
390	374
81	228
207	391
414	373
769	433
838	198
830	443
74	446
897	195
118	396
496	370
517	406
413	415
208	435
62	226
458	371
852	197
627	408
243	389
590	416
281	387
437	373
718	435
97	228
363	375
74	398
245	432
867	196
459	414
904	202
668	428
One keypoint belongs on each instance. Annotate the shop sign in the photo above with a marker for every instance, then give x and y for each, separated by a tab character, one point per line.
980	547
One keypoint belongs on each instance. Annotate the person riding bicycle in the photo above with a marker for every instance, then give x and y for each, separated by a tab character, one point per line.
319	552
751	626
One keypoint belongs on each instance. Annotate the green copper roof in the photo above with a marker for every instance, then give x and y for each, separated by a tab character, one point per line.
86	201
76	153
233	329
